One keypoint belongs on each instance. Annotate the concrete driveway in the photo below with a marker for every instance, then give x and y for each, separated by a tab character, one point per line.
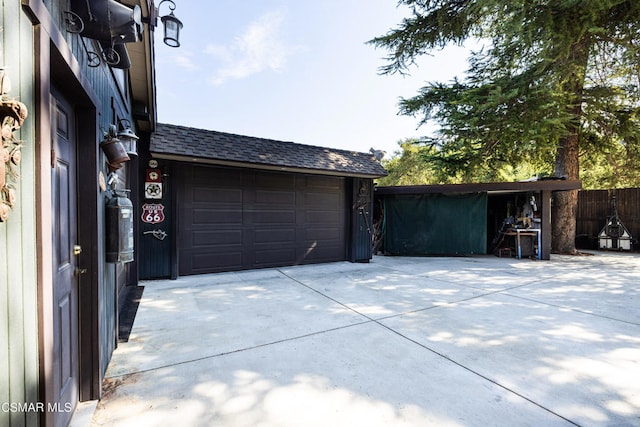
474	341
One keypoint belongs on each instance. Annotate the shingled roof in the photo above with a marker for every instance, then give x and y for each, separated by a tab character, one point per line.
207	146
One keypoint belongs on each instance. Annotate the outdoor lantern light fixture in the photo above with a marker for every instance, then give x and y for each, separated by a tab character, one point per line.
172	25
128	138
113	25
113	149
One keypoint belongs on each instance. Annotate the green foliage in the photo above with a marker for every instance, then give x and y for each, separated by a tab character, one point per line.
610	143
616	165
407	165
419	163
556	83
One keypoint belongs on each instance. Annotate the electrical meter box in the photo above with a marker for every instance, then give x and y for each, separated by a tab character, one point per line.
119	229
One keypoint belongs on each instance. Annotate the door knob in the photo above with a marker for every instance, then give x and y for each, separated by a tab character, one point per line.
77	250
79	271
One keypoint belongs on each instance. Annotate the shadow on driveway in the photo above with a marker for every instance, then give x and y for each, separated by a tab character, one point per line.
398	341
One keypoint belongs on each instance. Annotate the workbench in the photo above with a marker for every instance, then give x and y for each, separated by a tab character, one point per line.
518	233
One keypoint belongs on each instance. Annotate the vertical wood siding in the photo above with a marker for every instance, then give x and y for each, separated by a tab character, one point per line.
18	284
19	382
594	207
113	106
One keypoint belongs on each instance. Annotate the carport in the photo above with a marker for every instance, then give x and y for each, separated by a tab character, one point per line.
462	219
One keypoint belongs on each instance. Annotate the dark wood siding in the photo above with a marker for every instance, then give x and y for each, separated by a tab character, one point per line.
594	206
361	219
234	219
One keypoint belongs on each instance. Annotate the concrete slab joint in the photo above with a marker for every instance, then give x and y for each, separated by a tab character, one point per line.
399	341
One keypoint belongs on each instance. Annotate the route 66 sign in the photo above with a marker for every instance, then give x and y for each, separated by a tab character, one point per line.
152	190
153	213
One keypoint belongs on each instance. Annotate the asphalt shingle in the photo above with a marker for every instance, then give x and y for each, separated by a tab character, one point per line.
224	147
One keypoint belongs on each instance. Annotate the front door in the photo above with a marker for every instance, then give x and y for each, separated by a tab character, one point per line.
65	292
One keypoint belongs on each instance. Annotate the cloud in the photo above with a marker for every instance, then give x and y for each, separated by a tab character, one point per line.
260	47
184	60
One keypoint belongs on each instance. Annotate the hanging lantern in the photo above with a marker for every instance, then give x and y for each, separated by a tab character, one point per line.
128	139
172	26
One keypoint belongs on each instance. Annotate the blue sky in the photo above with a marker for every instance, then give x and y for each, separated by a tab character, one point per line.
293	71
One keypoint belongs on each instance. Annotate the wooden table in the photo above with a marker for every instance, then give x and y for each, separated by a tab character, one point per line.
517	232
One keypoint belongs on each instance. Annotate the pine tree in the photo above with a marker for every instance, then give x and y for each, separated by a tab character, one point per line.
535	92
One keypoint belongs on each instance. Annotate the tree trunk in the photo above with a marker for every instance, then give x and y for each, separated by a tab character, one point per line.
565	203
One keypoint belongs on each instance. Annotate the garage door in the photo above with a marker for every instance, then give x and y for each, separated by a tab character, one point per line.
234	219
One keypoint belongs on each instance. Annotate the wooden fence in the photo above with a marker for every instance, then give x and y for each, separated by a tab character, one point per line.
594	207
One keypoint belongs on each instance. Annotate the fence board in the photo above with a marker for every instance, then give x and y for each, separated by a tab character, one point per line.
594	207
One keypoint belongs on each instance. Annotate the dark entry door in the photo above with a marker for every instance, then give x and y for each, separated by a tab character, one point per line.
65	293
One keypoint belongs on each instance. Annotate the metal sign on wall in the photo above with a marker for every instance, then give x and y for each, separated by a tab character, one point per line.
153	184
153	213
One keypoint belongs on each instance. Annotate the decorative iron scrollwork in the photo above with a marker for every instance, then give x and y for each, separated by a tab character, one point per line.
110	23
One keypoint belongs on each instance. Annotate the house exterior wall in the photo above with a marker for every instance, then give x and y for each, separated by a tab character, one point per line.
38	55
361	239
18	284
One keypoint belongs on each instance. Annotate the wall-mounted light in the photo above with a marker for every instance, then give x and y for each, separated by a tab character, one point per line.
113	25
128	138
172	25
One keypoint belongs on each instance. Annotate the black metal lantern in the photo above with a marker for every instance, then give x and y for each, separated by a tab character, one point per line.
172	26
128	138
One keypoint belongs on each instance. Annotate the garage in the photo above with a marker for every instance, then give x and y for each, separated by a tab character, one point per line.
233	202
233	219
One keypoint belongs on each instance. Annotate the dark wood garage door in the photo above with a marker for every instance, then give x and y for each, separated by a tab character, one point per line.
234	219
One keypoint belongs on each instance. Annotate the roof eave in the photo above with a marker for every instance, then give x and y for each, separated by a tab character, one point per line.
488	187
278	168
142	73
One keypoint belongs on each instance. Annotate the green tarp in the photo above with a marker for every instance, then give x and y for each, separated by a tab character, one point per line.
435	224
